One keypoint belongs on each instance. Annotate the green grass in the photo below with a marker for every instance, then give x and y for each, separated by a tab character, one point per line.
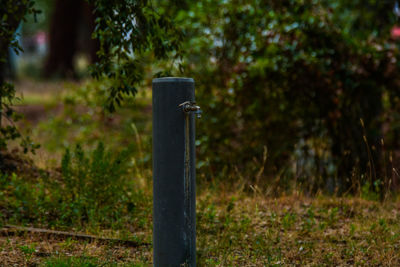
72	261
297	231
238	230
82	262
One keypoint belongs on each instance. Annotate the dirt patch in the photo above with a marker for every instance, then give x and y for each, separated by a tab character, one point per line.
36	113
34	250
16	162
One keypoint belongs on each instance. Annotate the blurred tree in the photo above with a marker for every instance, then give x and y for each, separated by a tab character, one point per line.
11	14
67	21
297	77
125	30
42	21
128	32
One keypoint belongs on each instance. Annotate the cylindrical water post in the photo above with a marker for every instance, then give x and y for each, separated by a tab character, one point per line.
174	177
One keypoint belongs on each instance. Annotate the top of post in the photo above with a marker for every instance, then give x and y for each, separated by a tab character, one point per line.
173	80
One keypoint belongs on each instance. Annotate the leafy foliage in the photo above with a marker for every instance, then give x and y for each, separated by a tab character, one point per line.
302	87
296	77
93	186
11	14
126	31
93	189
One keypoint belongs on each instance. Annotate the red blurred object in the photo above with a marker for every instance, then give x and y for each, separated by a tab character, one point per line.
41	38
395	32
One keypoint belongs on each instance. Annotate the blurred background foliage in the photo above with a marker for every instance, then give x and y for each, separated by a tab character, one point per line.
296	94
299	91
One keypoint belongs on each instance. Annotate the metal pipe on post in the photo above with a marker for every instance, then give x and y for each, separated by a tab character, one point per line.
174	176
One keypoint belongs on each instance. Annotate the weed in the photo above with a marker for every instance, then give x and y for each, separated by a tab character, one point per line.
333	216
309	221
371	191
94	185
28	251
352	229
288	220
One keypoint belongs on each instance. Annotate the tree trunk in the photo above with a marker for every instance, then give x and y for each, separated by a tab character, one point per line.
63	38
93	44
71	28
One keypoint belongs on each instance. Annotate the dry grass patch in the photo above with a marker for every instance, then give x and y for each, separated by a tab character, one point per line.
298	231
35	250
237	230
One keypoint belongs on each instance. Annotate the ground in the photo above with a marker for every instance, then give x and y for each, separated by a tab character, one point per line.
246	231
234	228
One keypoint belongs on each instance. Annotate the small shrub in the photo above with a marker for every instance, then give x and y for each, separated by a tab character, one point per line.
94	185
93	189
28	251
371	191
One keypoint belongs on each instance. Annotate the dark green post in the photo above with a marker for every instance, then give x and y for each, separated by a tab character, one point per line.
174	176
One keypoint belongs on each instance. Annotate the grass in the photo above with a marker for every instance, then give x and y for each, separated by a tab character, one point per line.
81	262
234	228
49	251
237	230
299	231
